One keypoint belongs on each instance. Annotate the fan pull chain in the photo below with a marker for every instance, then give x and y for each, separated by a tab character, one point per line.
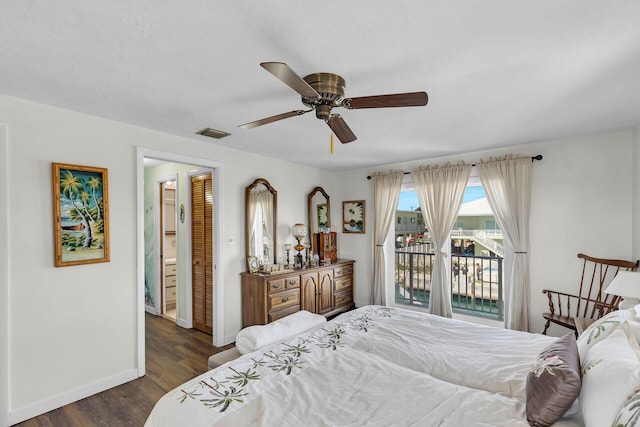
331	145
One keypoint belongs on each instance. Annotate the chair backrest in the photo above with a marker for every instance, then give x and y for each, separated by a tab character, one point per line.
597	273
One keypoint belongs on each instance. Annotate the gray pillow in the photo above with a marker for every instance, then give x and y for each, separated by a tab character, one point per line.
554	382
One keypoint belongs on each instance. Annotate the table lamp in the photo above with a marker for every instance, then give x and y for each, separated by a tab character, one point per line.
299	231
627	285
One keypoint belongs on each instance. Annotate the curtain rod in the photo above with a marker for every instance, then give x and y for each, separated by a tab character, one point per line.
538	157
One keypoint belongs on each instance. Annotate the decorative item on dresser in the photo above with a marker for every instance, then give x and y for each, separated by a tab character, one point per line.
327	244
299	231
326	290
287	248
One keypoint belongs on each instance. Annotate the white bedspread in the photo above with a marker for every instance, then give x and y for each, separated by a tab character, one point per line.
373	366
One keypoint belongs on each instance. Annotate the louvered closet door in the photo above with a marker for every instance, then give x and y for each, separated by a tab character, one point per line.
202	252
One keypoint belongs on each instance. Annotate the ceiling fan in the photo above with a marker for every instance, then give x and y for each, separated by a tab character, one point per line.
324	91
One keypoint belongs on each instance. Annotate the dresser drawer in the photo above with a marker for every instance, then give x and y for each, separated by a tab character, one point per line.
284	299
170	281
170	270
343	283
343	298
343	270
283	284
292	283
275	285
171	294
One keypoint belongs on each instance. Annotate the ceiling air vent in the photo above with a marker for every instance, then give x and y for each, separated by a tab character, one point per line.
213	133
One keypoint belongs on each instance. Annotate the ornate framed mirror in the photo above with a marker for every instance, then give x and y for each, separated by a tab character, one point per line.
261	201
318	211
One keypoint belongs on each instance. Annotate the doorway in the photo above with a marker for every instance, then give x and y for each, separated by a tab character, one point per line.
195	166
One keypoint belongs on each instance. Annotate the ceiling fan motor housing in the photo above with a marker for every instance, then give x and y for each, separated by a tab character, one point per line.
330	87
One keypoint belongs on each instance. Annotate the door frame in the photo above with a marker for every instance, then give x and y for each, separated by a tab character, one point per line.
218	291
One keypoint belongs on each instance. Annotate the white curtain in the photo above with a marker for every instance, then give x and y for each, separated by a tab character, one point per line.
440	191
507	183
266	202
255	229
386	191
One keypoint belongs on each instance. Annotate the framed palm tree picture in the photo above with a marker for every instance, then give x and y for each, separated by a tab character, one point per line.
80	214
353	216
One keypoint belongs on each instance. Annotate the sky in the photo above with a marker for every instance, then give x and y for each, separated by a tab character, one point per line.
409	199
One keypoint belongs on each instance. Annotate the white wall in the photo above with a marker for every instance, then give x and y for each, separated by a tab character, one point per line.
62	328
72	330
581	202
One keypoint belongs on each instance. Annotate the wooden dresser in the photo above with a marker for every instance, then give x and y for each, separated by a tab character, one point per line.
326	290
170	284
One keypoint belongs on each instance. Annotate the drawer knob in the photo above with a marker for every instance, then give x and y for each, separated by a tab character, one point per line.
276	286
292	282
339	271
285	299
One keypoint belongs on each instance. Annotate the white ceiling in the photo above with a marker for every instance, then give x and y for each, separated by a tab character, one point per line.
498	72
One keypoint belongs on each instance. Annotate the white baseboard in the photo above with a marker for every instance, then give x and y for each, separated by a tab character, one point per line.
55	402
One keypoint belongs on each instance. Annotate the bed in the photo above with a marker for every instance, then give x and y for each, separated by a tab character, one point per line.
380	366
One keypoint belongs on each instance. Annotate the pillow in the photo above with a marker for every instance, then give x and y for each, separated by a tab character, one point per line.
553	382
610	374
629	414
601	328
253	338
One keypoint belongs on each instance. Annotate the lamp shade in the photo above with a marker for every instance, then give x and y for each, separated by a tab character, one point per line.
625	284
299	231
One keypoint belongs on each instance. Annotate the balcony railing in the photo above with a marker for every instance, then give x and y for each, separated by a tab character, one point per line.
476	281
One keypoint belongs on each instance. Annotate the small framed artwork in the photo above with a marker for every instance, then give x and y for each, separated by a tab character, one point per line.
323	218
252	264
80	214
353	216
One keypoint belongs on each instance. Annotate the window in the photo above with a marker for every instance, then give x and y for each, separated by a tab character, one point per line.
476	256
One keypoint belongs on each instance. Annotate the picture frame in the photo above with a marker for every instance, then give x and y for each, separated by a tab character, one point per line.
80	214
252	264
354	216
323	217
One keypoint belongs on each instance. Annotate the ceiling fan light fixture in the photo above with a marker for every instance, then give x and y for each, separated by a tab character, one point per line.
323	111
213	133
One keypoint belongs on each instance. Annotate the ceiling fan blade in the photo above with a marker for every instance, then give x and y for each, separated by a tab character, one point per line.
341	129
272	119
412	99
289	77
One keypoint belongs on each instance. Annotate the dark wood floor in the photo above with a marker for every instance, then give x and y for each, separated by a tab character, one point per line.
173	355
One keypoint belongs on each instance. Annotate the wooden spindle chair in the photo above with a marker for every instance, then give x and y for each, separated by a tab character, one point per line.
590	302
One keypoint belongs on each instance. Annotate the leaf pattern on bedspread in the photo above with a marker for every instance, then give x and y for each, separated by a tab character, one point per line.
224	389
